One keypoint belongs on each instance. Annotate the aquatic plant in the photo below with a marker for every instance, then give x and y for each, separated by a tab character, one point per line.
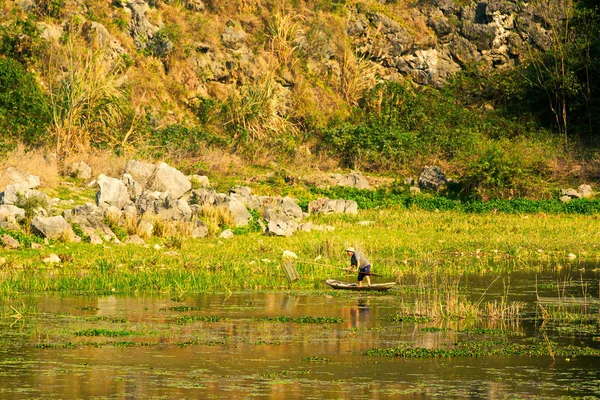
303	320
201	318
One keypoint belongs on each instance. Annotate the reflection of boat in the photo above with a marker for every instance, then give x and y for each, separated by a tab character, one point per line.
381	287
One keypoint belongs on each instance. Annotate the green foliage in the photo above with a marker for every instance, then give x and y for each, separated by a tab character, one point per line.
50	8
252	227
182	140
303	319
23	238
195	318
398	196
21	40
119	231
494	173
24	109
79	232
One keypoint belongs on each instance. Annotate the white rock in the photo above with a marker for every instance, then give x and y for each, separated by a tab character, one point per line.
289	254
226	234
53	258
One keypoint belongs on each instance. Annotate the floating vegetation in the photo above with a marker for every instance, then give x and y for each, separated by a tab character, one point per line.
187	319
490	331
181	308
87	308
316	359
267	342
105	332
485	349
114	320
406	318
433	329
68	345
303	320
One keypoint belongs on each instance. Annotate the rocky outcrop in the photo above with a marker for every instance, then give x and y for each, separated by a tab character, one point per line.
490	33
353	179
432	178
328	206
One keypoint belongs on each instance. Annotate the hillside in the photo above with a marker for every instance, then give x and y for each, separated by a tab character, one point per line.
500	93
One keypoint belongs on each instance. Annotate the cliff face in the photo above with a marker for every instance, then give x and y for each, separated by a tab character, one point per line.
314	54
489	34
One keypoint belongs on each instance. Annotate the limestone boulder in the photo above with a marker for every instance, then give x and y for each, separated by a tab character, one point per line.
204	197
17	193
245	196
328	206
281	227
134	189
10	243
169	179
23	178
79	170
585	191
52	228
571	193
11	213
240	214
135	240
432	178
199	229
285	208
145	228
111	192
199	181
353	179
140	171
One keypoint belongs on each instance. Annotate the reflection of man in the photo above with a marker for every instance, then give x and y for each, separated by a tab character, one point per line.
361	263
360	314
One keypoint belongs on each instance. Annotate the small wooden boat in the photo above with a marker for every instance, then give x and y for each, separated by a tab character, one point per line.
380	287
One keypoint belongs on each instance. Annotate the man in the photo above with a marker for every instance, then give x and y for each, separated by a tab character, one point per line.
361	263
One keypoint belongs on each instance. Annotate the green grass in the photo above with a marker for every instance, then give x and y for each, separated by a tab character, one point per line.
399	242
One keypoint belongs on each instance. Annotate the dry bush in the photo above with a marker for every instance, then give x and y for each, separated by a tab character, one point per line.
166	229
101	161
259	110
88	99
215	218
37	162
283	29
356	77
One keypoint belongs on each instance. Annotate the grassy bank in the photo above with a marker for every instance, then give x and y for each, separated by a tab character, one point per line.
397	241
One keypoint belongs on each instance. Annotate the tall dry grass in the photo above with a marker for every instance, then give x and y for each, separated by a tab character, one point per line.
283	29
88	97
37	162
357	75
259	110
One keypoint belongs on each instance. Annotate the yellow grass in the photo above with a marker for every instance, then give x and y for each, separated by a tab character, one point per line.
39	162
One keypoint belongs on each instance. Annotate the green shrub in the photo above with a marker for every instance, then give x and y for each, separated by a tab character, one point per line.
21	40
182	140
24	109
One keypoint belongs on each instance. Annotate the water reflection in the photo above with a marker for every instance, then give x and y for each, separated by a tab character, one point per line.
243	356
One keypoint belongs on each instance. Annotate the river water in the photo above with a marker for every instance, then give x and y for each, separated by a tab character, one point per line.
225	345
